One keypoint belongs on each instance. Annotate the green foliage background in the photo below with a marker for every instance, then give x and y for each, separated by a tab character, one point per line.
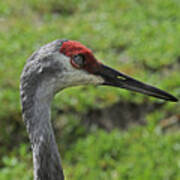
138	37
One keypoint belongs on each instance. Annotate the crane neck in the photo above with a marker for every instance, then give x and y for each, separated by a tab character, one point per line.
36	103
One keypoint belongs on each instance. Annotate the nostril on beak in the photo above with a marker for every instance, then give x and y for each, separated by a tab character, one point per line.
121	78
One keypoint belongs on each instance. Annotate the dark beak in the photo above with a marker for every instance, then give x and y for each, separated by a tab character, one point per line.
118	79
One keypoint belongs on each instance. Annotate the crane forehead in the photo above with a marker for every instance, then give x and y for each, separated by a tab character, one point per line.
70	48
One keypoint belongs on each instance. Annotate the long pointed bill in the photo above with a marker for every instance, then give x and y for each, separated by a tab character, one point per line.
118	79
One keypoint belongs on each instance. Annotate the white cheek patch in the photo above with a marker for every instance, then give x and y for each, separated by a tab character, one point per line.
71	76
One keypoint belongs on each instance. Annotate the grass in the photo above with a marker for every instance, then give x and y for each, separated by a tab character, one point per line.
137	154
138	37
140	153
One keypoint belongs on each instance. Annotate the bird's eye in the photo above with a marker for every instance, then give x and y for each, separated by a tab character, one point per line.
79	60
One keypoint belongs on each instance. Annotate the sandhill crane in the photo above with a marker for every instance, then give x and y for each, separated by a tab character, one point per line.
55	66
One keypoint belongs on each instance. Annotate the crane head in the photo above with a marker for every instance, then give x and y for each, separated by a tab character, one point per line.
81	59
64	63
